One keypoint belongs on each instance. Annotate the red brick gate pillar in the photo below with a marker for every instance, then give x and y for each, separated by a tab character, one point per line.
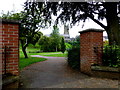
9	46
91	43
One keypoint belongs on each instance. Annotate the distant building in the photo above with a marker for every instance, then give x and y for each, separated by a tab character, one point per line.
66	34
72	39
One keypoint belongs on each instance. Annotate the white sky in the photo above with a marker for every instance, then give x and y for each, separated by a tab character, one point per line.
16	5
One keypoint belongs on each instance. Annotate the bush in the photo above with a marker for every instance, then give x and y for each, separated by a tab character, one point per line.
74	58
111	56
68	46
105	43
63	46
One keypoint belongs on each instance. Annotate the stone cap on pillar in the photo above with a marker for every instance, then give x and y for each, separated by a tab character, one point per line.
6	21
92	30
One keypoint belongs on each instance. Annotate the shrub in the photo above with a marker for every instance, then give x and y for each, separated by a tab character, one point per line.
74	58
63	47
111	56
105	43
68	46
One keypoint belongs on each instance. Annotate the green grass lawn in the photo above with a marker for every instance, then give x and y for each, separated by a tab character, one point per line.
50	54
27	61
59	54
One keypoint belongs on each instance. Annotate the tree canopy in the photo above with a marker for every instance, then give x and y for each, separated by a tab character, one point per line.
31	23
74	12
39	14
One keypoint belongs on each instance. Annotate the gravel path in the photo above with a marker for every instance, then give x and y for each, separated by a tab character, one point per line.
54	73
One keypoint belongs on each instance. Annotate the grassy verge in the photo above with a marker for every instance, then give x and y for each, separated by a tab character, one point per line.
56	55
50	54
27	61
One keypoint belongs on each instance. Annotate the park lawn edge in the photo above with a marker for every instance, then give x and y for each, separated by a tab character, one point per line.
50	54
25	62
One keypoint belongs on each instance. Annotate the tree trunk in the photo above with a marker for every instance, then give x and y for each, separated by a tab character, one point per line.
112	29
24	49
56	48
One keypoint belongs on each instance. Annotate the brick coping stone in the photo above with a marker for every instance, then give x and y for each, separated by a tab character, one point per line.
9	21
91	30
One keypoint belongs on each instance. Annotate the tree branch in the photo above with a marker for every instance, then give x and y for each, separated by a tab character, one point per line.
91	17
96	21
102	4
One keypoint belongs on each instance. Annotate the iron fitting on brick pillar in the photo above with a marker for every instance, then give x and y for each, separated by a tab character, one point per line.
91	43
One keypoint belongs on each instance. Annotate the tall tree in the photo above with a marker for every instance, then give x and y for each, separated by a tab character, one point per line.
56	38
74	12
31	22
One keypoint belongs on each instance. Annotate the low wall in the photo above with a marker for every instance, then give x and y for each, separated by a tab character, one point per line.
105	72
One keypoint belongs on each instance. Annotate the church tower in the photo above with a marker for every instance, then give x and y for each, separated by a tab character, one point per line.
66	29
66	33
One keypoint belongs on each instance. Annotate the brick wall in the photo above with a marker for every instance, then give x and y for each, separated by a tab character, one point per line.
91	43
9	46
0	55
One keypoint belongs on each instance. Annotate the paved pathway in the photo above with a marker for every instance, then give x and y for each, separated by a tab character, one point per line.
54	73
